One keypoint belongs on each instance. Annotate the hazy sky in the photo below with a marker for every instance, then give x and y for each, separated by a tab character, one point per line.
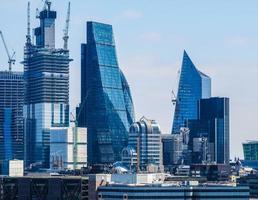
221	37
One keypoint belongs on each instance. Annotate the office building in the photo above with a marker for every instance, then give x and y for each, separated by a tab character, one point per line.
215	111
46	71
16	168
106	107
193	86
11	118
251	150
250	180
172	191
41	186
211	171
129	158
213	124
145	138
68	148
167	150
175	148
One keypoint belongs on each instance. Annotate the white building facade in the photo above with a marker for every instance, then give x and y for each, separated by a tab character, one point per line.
68	148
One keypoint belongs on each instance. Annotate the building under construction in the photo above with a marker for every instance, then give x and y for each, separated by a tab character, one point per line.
46	72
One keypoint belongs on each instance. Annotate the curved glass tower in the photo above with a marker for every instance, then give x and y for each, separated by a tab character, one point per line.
193	86
106	104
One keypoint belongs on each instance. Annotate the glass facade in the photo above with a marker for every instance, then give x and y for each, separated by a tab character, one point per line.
46	72
193	85
11	118
106	104
250	150
213	123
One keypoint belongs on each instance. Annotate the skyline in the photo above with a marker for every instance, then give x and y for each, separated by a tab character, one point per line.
142	49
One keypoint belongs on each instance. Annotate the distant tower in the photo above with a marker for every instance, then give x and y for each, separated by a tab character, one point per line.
213	124
46	71
193	86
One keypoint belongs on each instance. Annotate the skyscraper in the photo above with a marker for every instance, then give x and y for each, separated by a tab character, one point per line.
11	118
213	124
193	86
106	107
215	111
145	138
46	71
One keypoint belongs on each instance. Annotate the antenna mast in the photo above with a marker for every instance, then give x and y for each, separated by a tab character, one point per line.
66	36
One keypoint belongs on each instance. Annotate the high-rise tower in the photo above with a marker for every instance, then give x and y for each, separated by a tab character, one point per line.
193	86
106	104
11	118
46	71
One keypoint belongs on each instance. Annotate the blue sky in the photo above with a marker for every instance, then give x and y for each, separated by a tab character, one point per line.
221	37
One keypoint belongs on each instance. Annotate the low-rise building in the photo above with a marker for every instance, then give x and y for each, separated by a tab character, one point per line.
251	181
171	191
44	187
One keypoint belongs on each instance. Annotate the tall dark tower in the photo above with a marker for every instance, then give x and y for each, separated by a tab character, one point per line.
11	118
46	71
106	103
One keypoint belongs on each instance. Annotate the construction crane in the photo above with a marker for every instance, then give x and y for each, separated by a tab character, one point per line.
11	59
75	133
66	29
174	99
28	36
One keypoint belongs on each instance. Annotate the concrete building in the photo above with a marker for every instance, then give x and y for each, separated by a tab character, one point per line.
11	118
44	187
46	71
68	148
145	138
16	168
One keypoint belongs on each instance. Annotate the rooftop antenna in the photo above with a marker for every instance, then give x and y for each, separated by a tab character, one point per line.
28	36
66	29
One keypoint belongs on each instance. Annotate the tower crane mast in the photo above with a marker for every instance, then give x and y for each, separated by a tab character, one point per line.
11	59
66	29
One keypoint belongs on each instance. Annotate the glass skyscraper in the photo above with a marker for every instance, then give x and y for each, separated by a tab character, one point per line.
46	71
193	86
215	111
106	107
213	124
11	118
